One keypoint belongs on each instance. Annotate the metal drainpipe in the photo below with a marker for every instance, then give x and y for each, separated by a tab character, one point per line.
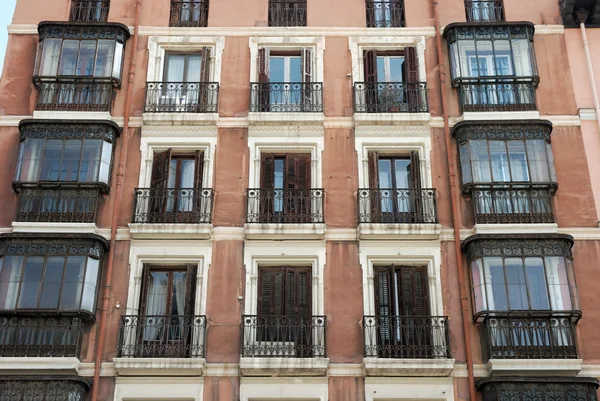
116	209
582	16
455	202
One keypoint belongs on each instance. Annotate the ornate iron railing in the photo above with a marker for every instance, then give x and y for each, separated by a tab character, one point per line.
512	205
77	94
401	205
390	97
191	13
385	14
160	336
89	10
285	205
484	10
40	336
58	205
41	387
283	336
182	97
297	97
173	205
531	338
287	12
501	94
421	337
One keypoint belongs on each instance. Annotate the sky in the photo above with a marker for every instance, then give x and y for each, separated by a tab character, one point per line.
7	8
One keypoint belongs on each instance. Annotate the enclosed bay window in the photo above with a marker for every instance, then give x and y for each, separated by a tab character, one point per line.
494	67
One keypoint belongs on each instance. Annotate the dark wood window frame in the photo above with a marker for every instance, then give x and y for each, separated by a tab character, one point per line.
283	306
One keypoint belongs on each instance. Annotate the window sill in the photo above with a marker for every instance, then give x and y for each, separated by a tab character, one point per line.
408	367
180	118
284	366
160	366
391	118
170	231
398	231
551	367
542	228
70	228
68	115
285	231
40	365
258	118
498	115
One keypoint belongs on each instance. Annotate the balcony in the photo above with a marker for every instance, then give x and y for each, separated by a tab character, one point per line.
385	14
299	206
390	97
499	94
484	10
89	10
276	336
403	205
512	204
173	205
75	94
287	13
162	336
189	14
181	97
530	338
38	336
286	97
58	205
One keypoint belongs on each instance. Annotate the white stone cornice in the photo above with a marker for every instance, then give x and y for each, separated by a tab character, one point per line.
338	122
587	114
222	370
346	369
22	29
341	234
232	122
563	121
12	121
549	29
228	233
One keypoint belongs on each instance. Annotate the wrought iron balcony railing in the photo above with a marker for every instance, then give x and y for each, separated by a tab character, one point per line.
390	97
173	205
484	10
160	336
190	13
501	94
531	338
401	205
512	205
385	14
295	97
182	97
287	12
285	205
58	205
89	10
76	94
283	336
421	337
40	336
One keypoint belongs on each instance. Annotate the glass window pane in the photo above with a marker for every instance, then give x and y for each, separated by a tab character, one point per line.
179	291
193	68
295	74
175	67
500	169
72	283
536	283
480	161
52	160
484	62
465	160
479	295
276	67
118	60
90	284
495	284
86	59
187	173
104	59
502	64
68	58
51	283
518	161
157	293
381	76
385	173
70	160
278	173
31	156
396	65
551	166
105	162
32	277
522	57
572	285
538	163
90	160
49	57
402	173
558	284
172	177
466	52
10	277
515	281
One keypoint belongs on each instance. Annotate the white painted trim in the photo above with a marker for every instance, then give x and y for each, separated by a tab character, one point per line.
222	370
587	114
412	253
515	228
256	366
563	121
399	231
159	388
391	118
549	29
180	118
72	115
270	118
134	122
408	367
159	366
338	122
409	388
170	231
22	29
39	365
228	234
498	115
284	388
271	253
550	367
232	122
346	370
107	369
341	234
12	121
276	231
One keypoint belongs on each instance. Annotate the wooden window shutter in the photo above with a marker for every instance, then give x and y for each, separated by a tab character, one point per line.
412	287
160	169
415	170
297	171
382	291
205	67
198	168
412	64
144	289
370	66
307	65
267	180
263	64
415	182
190	289
373	170
298	291
271	291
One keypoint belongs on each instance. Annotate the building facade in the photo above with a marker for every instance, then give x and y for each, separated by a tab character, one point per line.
351	200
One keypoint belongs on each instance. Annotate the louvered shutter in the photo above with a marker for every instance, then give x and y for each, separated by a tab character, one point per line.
198	169
307	70
300	290
190	289
412	78
160	169
204	95
267	171
298	167
375	197
371	85
271	291
383	306
205	67
144	290
421	301
416	195
263	88
297	196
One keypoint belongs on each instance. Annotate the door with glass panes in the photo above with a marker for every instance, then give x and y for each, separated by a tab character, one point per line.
184	75
402	307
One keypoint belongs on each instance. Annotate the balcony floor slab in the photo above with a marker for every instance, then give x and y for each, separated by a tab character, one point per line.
399	231
159	366
391	118
170	231
284	231
541	367
180	118
40	365
408	367
284	366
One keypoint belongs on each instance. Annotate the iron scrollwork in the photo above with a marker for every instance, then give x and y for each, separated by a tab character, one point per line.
515	245
40	245
52	129
44	388
84	31
538	389
503	130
